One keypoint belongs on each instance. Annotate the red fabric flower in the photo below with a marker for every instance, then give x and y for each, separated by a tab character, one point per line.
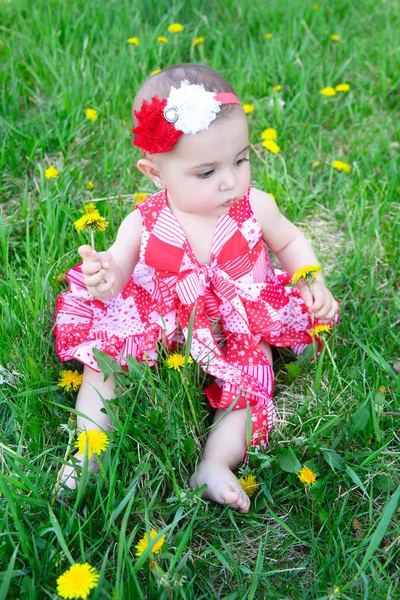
153	133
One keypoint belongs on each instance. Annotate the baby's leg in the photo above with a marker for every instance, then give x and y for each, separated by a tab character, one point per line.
89	403
223	452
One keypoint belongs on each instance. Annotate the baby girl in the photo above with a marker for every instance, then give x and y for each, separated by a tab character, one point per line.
193	257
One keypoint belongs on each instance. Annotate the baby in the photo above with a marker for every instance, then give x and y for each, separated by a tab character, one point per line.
195	254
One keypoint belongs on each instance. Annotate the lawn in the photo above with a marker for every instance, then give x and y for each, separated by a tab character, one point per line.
337	538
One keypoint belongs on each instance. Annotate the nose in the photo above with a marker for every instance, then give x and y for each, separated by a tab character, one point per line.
228	180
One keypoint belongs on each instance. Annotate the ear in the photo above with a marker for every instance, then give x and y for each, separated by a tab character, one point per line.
151	170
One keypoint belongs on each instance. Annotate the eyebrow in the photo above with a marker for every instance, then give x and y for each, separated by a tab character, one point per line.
214	164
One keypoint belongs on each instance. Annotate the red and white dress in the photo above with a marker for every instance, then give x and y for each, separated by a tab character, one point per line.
239	289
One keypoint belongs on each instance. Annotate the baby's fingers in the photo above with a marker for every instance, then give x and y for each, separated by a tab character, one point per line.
97	281
87	253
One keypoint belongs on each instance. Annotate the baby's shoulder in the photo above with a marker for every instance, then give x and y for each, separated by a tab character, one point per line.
263	206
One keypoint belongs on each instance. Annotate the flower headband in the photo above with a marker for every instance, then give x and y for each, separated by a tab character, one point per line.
187	109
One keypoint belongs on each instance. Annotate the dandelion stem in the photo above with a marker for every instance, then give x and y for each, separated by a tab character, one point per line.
71	436
196	424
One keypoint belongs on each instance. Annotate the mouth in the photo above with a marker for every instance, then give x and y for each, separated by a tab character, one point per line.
229	202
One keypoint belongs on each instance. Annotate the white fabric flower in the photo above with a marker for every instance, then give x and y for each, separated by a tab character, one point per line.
190	108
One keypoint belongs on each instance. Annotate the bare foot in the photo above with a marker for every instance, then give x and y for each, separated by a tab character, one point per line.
222	485
68	475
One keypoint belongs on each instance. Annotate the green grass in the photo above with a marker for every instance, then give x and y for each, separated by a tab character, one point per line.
341	536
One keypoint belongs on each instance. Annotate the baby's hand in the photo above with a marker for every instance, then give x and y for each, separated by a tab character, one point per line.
99	270
324	306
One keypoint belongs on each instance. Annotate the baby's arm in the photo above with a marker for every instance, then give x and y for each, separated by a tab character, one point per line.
293	251
107	273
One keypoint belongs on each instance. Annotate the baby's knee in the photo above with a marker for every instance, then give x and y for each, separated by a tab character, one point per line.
267	349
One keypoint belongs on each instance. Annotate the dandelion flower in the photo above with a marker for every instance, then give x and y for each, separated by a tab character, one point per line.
177	361
310	271
51	173
145	541
96	441
271	146
276	88
342	87
335	37
92	221
328	91
248	108
249	484
318	329
175	28
315	164
307	476
91	114
77	581
162	39
269	134
138	197
272	196
133	40
315	6
341	166
268	36
90	186
90	208
197	41
70	380
382	389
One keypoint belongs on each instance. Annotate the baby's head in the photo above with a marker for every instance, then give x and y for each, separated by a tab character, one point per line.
193	133
156	91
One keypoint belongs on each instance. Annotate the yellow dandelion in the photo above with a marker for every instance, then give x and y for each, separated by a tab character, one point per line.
133	40
91	114
248	108
176	28
335	37
51	173
177	361
341	166
315	164
145	542
272	196
276	88
308	272
328	91
318	329
268	36
90	208
197	41
249	484
70	380
269	134
91	221
155	72
307	476
162	39
96	441
315	6
77	581
90	186
382	389
342	87
60	278
138	197
271	146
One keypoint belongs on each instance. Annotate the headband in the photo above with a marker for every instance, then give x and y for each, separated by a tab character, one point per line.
188	109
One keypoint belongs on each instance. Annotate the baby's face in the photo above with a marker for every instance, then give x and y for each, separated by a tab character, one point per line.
207	172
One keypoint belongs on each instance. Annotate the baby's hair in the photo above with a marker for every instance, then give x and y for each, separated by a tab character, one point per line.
161	83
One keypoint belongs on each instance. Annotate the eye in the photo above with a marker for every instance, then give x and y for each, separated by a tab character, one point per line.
205	175
241	161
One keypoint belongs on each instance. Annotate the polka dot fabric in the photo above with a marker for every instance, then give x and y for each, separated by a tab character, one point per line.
239	290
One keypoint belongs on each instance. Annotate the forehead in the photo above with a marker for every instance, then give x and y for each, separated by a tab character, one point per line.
226	136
